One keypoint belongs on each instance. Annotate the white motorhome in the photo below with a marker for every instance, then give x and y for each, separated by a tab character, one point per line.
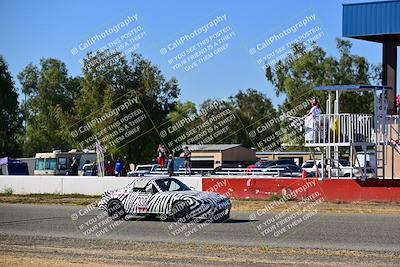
59	163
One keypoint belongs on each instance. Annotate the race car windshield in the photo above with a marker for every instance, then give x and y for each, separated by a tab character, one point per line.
171	185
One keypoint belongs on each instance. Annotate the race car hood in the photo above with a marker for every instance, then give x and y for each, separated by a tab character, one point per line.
197	194
123	190
201	194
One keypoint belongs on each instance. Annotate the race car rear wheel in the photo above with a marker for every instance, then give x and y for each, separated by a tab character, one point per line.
115	209
181	211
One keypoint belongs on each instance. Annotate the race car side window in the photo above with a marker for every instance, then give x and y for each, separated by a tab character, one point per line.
174	186
150	188
163	184
171	185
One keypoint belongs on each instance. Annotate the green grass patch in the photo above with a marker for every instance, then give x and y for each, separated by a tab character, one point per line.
50	196
8	191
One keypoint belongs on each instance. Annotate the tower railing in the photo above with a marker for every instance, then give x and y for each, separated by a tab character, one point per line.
393	124
342	129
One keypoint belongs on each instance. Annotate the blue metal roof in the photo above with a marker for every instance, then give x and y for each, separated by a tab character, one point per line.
351	87
371	20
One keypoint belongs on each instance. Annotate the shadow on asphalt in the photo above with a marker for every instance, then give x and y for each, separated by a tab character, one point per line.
239	221
152	219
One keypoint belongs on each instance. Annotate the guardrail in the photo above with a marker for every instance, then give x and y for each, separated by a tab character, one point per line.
224	171
276	172
182	171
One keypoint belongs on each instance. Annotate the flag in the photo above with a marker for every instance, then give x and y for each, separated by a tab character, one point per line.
296	123
100	159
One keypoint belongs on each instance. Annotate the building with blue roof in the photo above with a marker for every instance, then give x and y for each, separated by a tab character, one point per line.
377	22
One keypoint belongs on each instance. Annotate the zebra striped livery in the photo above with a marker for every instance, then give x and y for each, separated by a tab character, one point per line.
168	197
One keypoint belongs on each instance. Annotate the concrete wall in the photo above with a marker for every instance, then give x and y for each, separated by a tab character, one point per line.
73	184
347	190
243	188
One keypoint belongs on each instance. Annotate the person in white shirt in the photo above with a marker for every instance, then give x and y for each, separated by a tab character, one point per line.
315	111
311	120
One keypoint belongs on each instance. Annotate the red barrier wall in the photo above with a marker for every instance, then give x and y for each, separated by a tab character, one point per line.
347	190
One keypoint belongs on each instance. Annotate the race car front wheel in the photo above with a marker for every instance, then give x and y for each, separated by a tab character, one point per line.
181	211
115	209
222	216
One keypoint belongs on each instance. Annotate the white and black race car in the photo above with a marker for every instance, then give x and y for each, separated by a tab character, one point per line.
167	198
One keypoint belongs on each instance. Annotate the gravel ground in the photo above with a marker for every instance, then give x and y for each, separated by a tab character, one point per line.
51	251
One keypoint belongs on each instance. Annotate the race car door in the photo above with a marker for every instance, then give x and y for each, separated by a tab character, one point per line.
141	200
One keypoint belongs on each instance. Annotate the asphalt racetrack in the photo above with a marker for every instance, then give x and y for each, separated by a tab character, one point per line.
308	230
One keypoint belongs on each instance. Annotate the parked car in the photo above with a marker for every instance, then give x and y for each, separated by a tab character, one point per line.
168	197
258	164
86	169
142	170
261	164
309	165
340	168
284	170
229	169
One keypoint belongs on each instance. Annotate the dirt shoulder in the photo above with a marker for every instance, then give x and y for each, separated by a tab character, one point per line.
238	205
52	251
354	207
73	199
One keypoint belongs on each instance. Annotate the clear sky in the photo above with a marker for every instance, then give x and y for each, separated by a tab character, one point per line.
32	30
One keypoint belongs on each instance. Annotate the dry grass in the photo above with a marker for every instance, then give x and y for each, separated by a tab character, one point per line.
354	207
7	260
72	199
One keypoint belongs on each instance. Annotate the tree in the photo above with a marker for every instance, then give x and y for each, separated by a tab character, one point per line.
29	81
10	119
109	81
48	89
181	111
300	73
252	109
248	110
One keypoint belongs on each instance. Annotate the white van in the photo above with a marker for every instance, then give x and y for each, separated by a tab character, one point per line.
59	163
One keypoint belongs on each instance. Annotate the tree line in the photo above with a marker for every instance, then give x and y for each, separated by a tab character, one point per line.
49	105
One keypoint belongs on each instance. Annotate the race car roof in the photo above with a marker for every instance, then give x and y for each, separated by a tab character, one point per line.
142	182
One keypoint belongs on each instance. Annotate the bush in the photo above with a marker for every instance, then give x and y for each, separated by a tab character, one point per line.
8	191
